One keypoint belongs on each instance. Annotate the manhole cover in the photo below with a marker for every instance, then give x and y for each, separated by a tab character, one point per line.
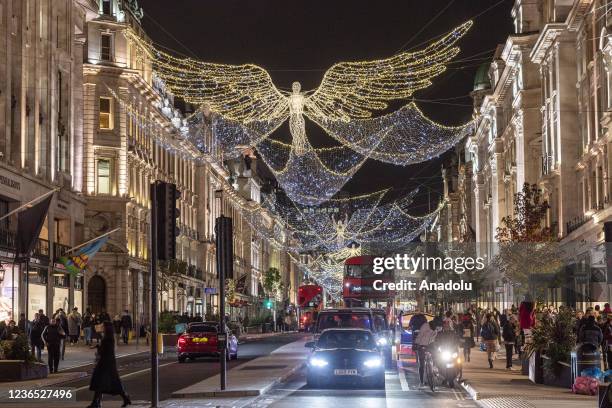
263	367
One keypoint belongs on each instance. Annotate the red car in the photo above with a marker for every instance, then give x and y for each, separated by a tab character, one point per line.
200	340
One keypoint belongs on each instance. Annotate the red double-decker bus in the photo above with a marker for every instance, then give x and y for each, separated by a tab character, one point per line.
311	298
358	285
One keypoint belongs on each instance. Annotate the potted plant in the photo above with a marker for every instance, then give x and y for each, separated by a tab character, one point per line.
549	352
18	363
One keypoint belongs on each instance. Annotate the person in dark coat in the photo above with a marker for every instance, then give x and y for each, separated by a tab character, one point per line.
509	336
126	326
105	378
53	335
36	337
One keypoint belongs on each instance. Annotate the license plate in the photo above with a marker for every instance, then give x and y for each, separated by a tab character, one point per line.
345	372
200	340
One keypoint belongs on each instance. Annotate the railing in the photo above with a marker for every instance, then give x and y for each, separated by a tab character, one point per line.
7	239
60	250
576	223
547	165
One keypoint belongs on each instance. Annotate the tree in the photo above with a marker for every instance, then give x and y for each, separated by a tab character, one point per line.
526	245
271	282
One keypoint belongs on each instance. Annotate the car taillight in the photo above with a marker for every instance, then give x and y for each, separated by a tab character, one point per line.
181	341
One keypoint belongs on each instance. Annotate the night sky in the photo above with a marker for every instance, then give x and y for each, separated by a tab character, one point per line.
299	40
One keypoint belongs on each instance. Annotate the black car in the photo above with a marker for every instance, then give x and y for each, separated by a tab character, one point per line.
345	356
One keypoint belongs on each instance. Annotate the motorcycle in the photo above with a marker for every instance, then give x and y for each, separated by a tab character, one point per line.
450	365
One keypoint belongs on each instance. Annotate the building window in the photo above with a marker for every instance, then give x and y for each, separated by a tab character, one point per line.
106	7
104	176
106	113
106	47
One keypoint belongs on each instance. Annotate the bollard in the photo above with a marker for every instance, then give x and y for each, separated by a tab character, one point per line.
160	343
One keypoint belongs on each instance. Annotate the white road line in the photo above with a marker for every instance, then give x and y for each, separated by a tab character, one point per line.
402	377
129	374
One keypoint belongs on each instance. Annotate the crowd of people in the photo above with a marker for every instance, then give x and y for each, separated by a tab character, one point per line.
53	333
493	330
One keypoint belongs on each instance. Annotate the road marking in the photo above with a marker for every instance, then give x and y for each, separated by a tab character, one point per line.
130	374
402	377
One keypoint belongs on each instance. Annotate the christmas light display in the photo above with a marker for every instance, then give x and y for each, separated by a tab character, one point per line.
348	91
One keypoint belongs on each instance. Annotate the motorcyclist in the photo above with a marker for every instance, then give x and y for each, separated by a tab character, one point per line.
446	341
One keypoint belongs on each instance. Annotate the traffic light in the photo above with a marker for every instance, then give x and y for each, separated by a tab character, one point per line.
268	303
167	216
225	247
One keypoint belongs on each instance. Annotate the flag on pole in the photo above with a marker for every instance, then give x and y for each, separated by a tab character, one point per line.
77	262
29	223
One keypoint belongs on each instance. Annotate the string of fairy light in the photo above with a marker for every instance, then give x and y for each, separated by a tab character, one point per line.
240	108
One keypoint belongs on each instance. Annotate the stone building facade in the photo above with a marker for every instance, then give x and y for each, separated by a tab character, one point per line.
542	117
131	138
41	92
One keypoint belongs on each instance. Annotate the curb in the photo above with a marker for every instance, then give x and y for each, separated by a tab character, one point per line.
470	390
241	393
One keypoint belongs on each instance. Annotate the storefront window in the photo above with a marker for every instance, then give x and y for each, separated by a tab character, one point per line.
37	299
60	299
8	288
78	300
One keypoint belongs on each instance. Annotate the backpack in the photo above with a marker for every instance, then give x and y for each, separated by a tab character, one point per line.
487	332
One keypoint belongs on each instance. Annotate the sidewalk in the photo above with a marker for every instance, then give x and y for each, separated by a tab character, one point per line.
498	387
253	378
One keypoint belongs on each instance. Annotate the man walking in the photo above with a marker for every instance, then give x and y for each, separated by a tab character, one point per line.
126	326
53	336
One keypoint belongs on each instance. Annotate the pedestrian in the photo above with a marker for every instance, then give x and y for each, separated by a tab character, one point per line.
590	333
467	335
607	309
490	334
88	326
22	324
103	316
44	320
36	339
105	378
509	336
62	320
53	336
117	328
126	326
10	331
74	326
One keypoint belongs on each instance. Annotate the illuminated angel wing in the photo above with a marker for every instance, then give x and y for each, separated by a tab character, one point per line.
352	90
242	93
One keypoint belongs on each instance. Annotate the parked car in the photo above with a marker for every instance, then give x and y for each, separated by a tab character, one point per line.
345	356
200	339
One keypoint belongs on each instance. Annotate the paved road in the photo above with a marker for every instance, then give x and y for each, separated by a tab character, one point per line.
401	391
135	370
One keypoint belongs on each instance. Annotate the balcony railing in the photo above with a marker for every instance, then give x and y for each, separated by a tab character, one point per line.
576	223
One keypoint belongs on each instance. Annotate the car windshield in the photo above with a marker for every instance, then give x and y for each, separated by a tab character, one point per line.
338	320
202	328
380	322
346	339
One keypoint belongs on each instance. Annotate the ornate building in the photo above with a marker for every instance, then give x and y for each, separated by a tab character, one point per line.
130	139
41	99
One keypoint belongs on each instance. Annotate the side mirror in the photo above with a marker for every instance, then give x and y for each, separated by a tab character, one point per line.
309	344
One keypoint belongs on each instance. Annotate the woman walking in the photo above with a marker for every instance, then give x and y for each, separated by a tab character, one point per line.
105	378
467	336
